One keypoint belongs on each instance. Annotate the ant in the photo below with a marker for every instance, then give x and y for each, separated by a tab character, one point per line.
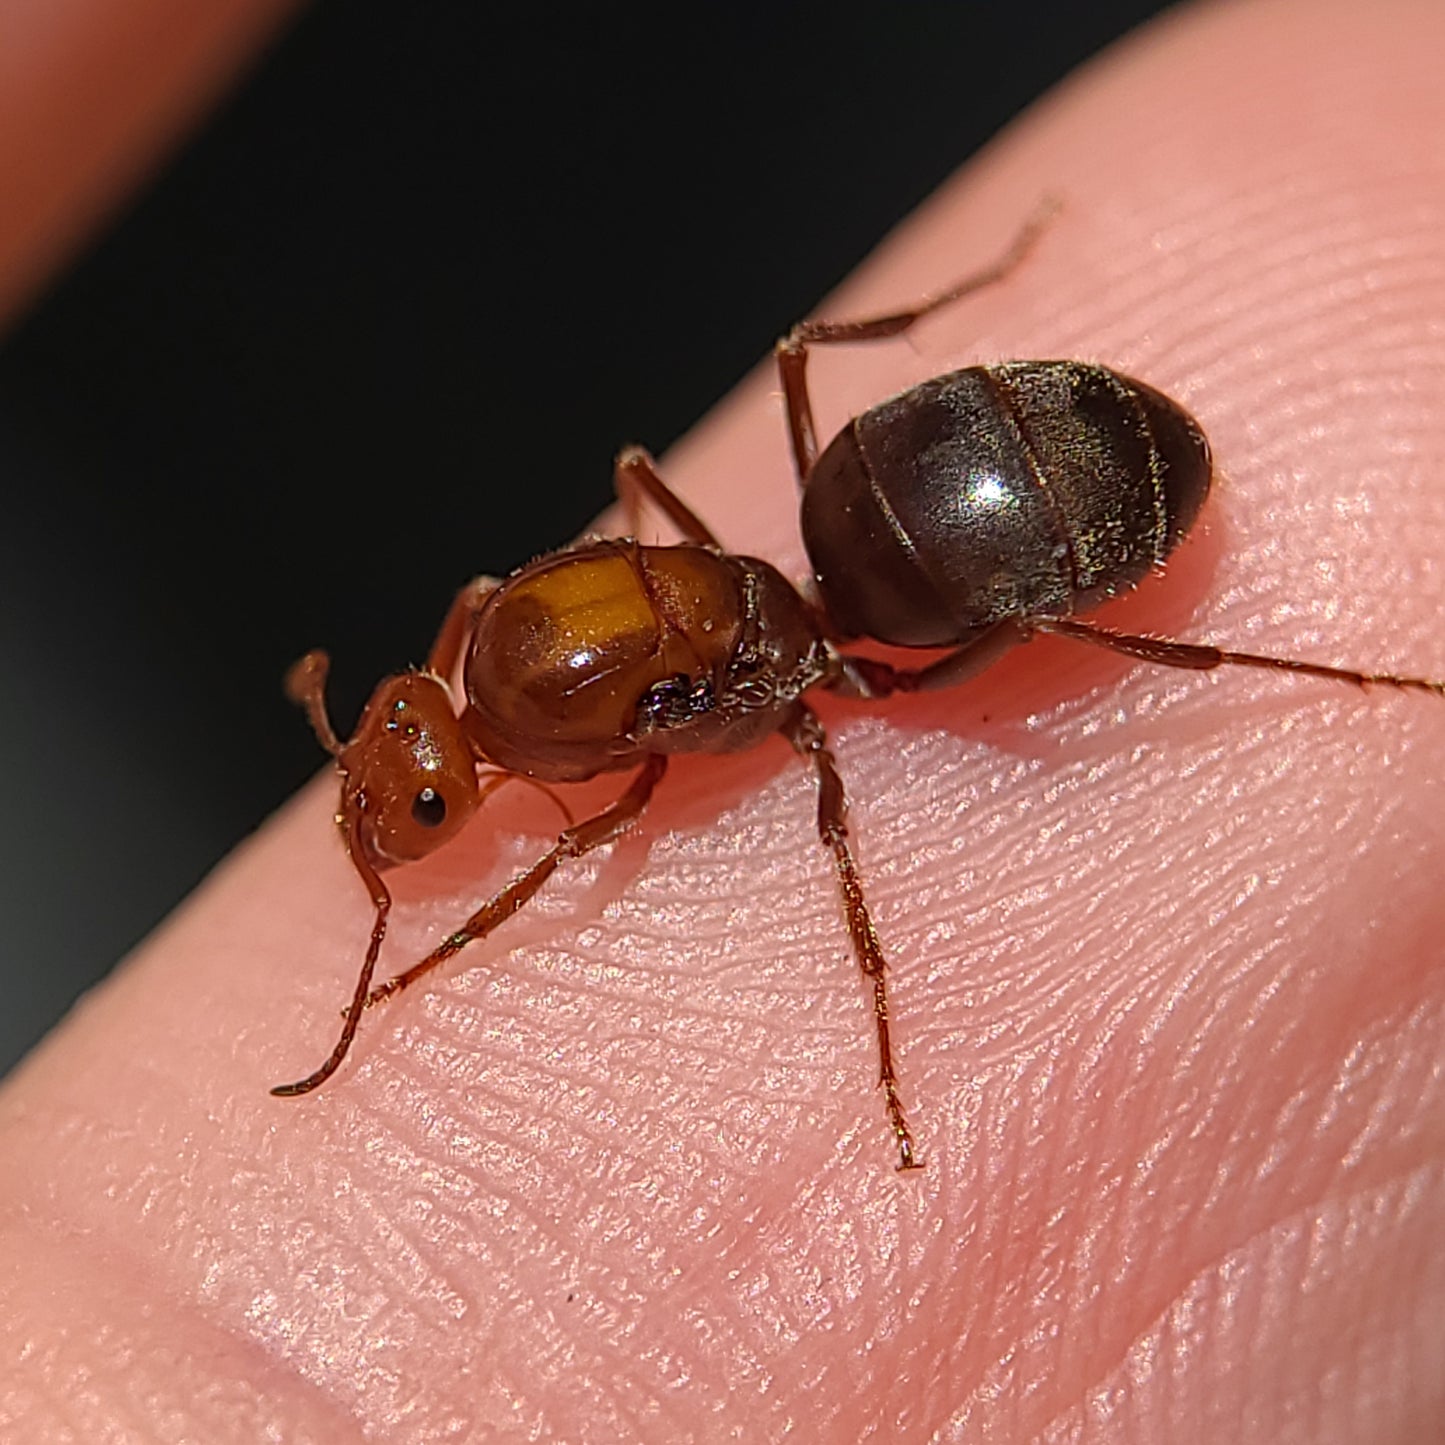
970	513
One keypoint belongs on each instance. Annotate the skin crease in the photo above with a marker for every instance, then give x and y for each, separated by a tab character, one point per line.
1167	972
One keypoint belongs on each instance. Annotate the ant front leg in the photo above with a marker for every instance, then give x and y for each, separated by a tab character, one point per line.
456	629
791	352
573	843
806	734
635	478
381	902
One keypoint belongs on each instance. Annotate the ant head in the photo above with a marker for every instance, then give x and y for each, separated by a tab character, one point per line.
409	773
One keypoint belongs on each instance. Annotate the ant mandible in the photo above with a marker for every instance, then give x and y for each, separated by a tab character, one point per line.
972	512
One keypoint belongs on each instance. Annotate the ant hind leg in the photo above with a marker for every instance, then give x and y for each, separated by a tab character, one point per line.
1203	657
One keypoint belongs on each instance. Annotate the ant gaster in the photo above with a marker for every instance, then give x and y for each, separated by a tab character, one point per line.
972	512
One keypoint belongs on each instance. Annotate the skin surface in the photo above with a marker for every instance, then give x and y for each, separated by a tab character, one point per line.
89	94
1167	971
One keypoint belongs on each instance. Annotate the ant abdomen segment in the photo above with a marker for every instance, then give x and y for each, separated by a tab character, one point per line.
1072	484
972	512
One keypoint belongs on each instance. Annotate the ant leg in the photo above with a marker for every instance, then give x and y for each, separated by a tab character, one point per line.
791	351
382	901
1203	657
456	628
806	734
573	843
635	476
867	677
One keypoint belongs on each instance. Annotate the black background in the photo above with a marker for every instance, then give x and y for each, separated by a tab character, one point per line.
380	326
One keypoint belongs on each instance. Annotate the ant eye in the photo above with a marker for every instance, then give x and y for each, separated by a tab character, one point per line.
429	808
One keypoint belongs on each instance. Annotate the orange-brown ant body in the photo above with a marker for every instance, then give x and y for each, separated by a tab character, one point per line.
971	512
